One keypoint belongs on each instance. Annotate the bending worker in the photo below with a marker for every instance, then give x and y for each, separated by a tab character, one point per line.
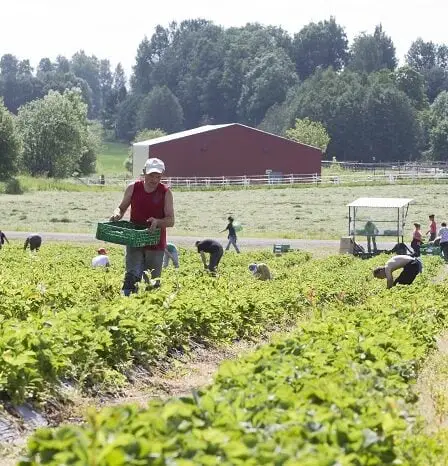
34	241
215	250
411	268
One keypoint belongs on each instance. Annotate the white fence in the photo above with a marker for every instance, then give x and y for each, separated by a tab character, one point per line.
290	179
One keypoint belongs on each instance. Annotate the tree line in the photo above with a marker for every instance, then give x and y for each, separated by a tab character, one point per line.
197	72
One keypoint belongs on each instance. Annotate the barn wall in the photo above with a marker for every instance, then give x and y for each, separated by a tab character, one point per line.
233	151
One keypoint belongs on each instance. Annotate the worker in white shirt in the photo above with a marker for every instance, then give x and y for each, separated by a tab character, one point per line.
101	260
260	271
411	268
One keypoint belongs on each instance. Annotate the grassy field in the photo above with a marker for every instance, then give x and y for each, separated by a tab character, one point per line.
111	157
309	212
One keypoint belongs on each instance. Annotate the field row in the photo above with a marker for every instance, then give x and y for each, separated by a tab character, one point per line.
63	321
338	391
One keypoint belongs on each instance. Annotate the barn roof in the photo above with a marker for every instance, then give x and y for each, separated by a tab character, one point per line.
206	129
396	202
181	134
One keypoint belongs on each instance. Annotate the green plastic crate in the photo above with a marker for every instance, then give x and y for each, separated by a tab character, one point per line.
124	232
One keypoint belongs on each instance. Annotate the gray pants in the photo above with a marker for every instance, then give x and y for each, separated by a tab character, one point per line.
232	241
138	261
174	259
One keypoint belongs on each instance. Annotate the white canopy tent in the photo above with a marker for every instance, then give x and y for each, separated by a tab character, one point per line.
400	204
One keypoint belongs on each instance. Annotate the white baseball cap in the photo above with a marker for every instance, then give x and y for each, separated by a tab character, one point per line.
154	166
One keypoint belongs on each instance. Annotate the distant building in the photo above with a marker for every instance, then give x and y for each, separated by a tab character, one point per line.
227	150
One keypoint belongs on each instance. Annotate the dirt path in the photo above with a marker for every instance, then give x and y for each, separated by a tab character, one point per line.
176	377
318	246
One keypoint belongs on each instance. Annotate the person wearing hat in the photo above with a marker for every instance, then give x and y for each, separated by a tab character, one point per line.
101	260
260	271
151	205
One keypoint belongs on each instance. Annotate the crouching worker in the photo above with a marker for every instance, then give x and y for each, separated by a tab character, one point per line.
411	268
214	249
102	259
260	271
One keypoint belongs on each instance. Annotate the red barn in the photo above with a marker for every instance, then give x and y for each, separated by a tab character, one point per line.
227	150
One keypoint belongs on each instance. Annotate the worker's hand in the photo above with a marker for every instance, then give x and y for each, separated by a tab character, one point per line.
153	223
117	215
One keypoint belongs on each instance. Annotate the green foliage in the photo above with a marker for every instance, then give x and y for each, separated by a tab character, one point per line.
338	390
320	45
146	134
370	53
412	83
309	132
160	109
10	143
55	135
13	186
125	129
265	84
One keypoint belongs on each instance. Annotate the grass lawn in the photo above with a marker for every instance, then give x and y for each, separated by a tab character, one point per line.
308	212
111	157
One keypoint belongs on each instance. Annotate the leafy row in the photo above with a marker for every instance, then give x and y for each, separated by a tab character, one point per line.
336	392
62	320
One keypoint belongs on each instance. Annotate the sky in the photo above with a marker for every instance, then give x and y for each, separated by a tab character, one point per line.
32	29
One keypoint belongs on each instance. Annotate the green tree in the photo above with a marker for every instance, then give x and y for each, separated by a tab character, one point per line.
147	134
422	55
372	52
54	131
323	44
88	68
412	83
10	143
391	126
438	139
309	132
125	126
160	109
91	146
264	85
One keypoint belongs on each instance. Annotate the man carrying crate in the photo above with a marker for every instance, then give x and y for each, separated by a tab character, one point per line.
151	205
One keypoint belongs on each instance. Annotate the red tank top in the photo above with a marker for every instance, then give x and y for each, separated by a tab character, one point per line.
145	205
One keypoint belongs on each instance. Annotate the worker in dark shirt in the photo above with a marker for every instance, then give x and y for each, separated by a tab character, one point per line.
3	238
215	250
232	235
34	241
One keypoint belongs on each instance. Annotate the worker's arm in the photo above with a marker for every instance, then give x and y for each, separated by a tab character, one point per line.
204	259
27	241
5	238
389	277
169	254
168	220
124	204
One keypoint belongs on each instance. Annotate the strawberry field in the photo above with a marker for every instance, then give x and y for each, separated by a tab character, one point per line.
337	390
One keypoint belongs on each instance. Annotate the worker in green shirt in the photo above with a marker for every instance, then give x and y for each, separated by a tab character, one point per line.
171	254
